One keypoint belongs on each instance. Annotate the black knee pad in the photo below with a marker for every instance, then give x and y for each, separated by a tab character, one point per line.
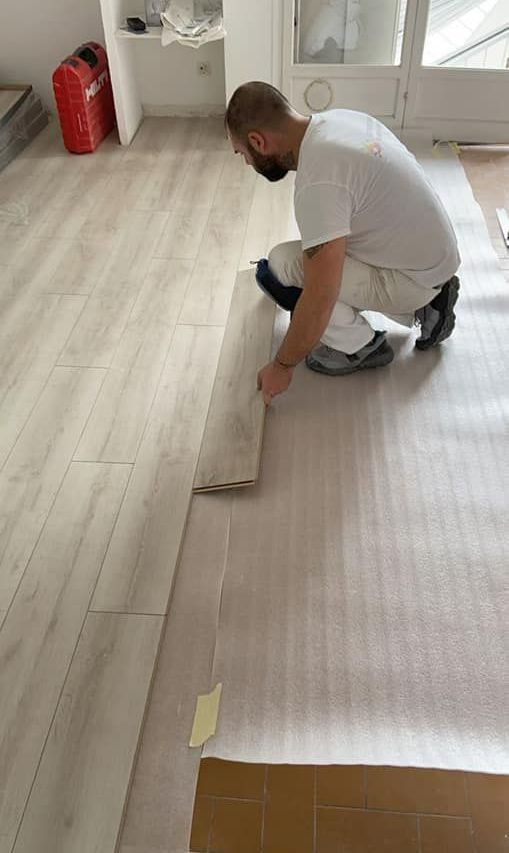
285	297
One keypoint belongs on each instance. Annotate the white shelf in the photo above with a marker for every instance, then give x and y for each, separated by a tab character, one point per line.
151	33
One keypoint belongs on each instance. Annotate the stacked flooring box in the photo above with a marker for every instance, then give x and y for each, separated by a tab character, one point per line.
22	116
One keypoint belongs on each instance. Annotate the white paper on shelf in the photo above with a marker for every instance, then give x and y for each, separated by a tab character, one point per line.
192	22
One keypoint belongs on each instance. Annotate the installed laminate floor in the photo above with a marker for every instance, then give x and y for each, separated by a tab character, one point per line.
92	346
116	274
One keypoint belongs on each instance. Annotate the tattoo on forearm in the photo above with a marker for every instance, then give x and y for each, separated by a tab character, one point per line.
313	250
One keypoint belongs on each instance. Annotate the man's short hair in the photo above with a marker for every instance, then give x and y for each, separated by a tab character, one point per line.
256	106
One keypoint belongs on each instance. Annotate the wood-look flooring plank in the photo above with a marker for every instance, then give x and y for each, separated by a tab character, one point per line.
138	571
100	327
118	419
213	135
231	446
26	206
80	265
163	182
208	298
147	146
186	224
33	331
120	195
157	139
79	795
39	637
269	219
8	98
47	143
36	466
159	812
32	270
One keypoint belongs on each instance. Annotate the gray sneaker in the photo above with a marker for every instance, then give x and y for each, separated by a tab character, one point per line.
437	320
324	359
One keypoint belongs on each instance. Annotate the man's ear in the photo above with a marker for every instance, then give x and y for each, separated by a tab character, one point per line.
258	141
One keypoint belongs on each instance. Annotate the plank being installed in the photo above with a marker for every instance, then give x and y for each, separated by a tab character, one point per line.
231	446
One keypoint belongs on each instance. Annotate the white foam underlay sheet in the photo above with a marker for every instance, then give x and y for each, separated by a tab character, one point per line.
362	616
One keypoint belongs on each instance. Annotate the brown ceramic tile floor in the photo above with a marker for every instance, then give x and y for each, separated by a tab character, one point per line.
243	808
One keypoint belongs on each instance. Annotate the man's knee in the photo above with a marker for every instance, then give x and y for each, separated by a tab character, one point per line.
285	263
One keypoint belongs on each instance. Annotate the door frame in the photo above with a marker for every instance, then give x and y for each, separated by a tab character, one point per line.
392	78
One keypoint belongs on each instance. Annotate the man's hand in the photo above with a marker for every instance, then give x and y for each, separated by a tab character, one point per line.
273	379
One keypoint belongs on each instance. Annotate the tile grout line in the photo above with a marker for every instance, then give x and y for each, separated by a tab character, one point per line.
469	806
315	808
212	824
395	812
264	810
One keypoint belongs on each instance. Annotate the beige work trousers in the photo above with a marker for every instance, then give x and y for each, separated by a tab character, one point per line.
363	288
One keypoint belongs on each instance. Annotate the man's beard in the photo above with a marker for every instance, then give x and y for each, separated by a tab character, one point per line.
269	166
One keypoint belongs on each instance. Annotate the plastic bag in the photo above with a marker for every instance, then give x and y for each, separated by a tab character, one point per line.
192	22
337	20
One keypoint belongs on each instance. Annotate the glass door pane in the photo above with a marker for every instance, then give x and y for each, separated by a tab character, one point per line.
467	34
349	32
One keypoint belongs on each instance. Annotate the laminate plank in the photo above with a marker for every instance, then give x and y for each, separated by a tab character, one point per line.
186	225
148	145
231	446
97	334
81	182
137	574
156	140
80	265
120	196
35	469
208	298
39	637
35	268
269	219
213	135
118	419
26	205
163	182
160	807
183	234
79	794
47	143
8	98
34	330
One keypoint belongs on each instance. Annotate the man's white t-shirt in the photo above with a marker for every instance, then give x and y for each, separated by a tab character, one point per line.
356	179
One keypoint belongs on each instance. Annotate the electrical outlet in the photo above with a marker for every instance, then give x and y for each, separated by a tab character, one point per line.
204	69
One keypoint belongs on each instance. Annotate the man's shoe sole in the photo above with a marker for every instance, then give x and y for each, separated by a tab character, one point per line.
382	356
445	326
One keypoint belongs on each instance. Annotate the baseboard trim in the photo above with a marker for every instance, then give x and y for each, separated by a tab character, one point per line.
183	110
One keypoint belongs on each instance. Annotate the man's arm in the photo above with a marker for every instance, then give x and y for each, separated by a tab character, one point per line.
323	269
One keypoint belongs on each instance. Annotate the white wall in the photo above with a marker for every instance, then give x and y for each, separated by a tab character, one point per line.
40	33
168	78
252	28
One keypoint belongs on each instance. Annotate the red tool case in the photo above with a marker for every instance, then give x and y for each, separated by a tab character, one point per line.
84	98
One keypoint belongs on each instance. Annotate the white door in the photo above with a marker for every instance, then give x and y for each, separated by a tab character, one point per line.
458	85
350	53
442	65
